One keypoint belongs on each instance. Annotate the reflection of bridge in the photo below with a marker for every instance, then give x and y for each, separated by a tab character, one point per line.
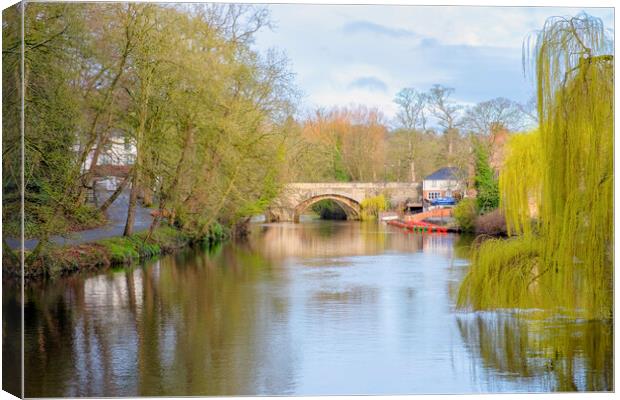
297	197
332	241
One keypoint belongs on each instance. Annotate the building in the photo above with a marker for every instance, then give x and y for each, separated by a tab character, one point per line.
118	150
445	182
114	162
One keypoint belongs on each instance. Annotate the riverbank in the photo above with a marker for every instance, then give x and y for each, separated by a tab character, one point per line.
115	251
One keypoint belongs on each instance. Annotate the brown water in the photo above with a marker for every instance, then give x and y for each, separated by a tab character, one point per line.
311	308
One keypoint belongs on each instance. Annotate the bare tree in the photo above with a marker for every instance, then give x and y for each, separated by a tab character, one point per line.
412	108
447	114
443	108
411	117
237	22
530	110
489	117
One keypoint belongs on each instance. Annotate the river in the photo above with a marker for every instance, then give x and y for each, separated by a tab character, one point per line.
313	308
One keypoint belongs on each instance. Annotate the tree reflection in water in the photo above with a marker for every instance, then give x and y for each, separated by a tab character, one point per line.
542	353
163	329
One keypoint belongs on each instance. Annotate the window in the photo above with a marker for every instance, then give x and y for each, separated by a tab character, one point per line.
433	195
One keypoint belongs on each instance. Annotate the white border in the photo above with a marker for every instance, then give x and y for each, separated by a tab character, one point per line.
487	3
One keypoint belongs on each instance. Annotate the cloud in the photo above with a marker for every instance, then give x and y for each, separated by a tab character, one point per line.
377	29
369	82
336	50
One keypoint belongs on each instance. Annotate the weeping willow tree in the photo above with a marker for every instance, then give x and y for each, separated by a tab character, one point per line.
565	259
372	206
520	183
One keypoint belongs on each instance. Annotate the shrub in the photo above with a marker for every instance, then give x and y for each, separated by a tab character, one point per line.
217	233
371	206
493	223
465	214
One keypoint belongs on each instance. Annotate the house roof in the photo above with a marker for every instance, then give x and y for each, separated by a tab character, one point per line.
444	174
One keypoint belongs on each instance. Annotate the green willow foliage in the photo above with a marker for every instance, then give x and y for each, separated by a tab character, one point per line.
372	206
568	263
520	182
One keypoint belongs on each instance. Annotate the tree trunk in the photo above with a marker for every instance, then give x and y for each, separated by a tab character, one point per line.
147	196
155	222
411	165
145	87
131	209
106	204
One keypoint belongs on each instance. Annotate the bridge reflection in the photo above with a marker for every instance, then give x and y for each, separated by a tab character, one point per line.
338	239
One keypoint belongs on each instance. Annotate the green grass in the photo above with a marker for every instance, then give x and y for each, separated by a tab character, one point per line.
165	239
121	250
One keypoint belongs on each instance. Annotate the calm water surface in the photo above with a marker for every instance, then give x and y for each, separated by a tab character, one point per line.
311	308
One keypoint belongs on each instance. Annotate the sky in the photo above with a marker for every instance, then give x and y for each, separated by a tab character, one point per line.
360	54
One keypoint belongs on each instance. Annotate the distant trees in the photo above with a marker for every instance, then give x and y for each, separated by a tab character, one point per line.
412	109
412	118
489	117
426	155
443	107
432	130
343	144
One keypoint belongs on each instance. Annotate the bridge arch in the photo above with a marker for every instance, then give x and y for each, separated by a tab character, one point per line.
350	206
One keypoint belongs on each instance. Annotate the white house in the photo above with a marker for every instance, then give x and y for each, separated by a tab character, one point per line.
445	182
116	152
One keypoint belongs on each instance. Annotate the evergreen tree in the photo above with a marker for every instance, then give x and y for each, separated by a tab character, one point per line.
485	183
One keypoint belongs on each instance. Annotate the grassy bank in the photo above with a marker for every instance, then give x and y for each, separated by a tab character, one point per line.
115	251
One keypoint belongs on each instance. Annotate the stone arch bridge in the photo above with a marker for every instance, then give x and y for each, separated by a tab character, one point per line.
298	197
